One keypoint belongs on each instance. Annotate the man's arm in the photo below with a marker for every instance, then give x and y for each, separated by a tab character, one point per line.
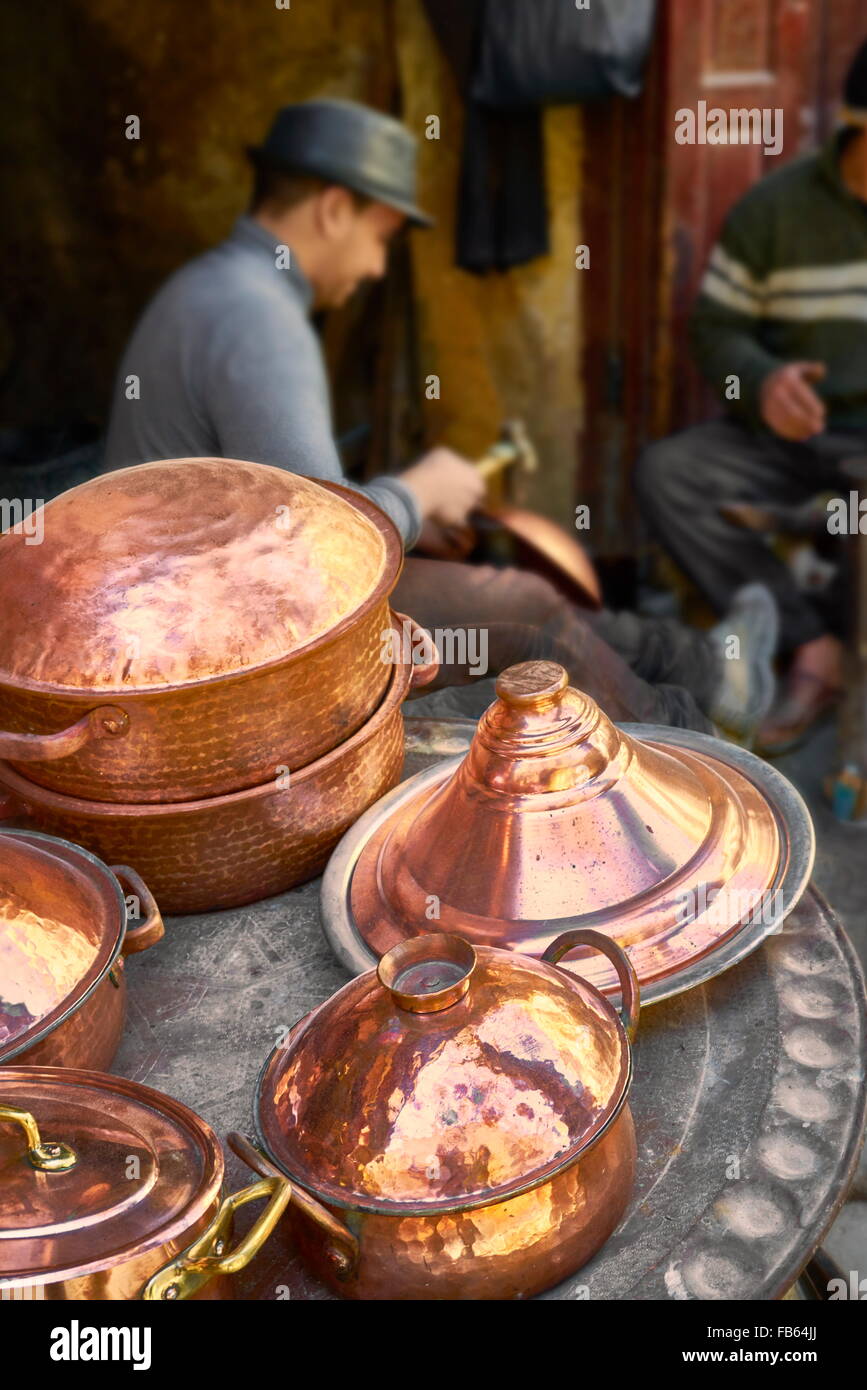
725	324
265	390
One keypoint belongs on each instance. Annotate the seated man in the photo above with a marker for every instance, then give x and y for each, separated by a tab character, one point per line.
781	318
224	362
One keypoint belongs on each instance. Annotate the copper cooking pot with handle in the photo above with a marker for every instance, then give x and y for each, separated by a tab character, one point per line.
454	1124
106	1182
162	629
225	851
65	931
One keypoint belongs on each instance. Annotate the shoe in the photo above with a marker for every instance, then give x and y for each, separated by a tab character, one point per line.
806	700
748	685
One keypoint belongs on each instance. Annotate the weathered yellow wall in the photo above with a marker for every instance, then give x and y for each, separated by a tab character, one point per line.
506	344
96	221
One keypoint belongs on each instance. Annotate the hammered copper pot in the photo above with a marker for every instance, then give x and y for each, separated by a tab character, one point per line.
229	850
455	1124
186	628
111	1190
64	934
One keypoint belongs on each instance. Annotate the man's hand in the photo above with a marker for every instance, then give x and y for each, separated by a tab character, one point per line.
446	487
788	403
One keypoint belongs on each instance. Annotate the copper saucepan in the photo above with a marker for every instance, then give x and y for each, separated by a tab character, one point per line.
228	850
185	628
455	1124
65	929
104	1183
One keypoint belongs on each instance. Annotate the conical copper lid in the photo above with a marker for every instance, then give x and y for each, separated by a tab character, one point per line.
555	813
449	1076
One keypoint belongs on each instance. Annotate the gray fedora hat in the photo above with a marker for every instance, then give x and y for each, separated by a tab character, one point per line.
348	144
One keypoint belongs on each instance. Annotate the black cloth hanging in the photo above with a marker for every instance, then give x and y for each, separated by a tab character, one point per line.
509	58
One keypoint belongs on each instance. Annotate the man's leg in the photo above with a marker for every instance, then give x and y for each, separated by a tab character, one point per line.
522	617
682	481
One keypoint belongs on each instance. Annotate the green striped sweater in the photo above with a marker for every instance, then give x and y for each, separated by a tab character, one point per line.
787	281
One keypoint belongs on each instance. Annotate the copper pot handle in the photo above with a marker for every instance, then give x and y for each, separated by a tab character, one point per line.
629	988
107	721
151	929
342	1250
45	1155
205	1258
425	671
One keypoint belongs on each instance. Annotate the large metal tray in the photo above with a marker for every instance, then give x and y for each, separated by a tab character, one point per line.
749	1094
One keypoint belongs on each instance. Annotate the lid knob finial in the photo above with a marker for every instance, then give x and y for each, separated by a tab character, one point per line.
532	684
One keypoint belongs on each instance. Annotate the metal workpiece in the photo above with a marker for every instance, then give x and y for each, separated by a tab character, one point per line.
747	1096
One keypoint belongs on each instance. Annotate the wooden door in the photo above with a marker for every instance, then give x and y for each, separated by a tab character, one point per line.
654	208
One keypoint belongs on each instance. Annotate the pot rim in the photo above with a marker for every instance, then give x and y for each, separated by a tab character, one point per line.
78	996
214	1161
392	567
537	1177
25	790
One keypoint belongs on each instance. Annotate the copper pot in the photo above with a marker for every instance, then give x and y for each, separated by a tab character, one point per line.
162	640
455	1124
104	1183
203	855
64	933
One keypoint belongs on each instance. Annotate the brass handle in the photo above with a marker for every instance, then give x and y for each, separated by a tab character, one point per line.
629	988
425	671
46	1155
342	1250
152	928
204	1259
105	722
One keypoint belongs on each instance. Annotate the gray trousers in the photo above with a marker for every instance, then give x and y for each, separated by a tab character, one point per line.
643	670
681	482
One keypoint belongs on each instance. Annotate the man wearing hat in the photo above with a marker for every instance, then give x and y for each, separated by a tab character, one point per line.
224	362
780	330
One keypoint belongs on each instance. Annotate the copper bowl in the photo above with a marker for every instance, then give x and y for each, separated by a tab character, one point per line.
455	1125
229	850
65	930
112	1190
161	642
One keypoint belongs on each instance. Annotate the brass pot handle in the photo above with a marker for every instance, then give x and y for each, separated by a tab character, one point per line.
107	721
342	1250
45	1155
151	928
204	1259
425	671
629	988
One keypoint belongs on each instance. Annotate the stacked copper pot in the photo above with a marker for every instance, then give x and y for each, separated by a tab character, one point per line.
194	676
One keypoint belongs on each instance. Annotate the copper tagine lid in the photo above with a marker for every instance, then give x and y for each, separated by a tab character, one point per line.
449	1076
555	813
177	571
94	1169
59	932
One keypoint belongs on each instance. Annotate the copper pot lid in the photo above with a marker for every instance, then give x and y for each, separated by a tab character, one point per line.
450	1076
686	850
185	570
62	920
99	1169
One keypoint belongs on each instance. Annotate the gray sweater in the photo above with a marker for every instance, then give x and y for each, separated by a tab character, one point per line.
228	365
